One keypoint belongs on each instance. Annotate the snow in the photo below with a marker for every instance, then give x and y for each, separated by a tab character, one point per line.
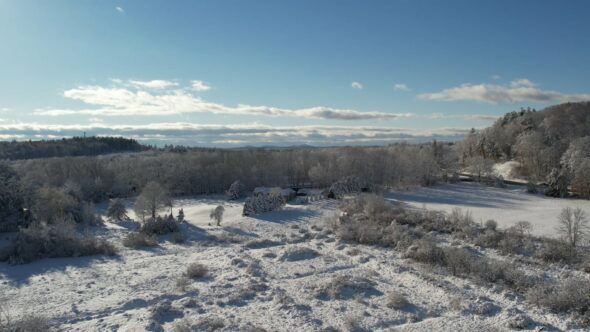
251	284
504	205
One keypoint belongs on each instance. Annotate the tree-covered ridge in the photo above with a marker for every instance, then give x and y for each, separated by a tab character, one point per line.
76	146
552	145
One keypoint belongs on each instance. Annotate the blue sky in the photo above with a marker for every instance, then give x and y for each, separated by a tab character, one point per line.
231	73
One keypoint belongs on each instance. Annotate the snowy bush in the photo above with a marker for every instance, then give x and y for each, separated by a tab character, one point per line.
117	211
160	226
264	202
217	215
236	191
196	270
345	186
571	294
48	241
139	240
396	300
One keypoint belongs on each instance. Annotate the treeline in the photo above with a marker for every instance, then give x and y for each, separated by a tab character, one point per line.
92	179
76	146
552	146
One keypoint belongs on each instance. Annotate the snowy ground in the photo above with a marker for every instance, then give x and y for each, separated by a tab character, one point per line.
276	285
505	205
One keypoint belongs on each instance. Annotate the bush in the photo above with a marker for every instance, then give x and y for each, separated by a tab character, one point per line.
236	191
196	270
28	323
139	240
426	251
491	225
264	202
160	226
345	186
571	294
49	241
396	300
555	251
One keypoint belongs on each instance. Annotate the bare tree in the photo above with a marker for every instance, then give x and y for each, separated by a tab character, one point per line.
217	215
152	199
573	226
479	166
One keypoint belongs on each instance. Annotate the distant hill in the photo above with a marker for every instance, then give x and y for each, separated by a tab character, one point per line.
76	146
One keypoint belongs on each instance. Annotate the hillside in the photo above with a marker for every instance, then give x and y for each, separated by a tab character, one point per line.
552	145
67	147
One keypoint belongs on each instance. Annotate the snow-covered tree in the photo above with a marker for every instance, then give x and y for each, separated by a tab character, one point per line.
235	191
346	185
117	211
573	226
152	199
217	214
180	216
479	166
264	202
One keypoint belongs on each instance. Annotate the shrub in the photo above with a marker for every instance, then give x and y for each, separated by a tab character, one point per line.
552	250
58	240
426	251
159	226
396	300
196	270
236	191
458	260
491	225
571	294
264	202
217	215
139	240
346	185
117	211
344	287
28	323
298	254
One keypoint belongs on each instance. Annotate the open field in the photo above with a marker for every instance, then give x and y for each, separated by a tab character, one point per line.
276	272
504	205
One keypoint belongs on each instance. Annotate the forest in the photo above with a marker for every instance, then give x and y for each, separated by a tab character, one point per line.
552	146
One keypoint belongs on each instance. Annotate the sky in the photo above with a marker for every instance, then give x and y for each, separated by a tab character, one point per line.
230	73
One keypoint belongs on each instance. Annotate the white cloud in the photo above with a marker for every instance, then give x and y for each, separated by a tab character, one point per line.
95	120
123	101
235	135
120	9
356	85
153	84
521	90
400	87
496	77
200	86
467	117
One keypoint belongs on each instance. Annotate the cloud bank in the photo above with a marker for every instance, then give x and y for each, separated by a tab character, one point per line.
521	90
159	98
234	135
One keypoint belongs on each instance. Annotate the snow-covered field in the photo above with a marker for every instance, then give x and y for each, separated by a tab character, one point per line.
280	271
505	205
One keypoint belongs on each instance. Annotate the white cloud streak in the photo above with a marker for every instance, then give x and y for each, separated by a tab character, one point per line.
521	90
400	87
356	85
120	9
200	86
235	135
153	84
122	100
